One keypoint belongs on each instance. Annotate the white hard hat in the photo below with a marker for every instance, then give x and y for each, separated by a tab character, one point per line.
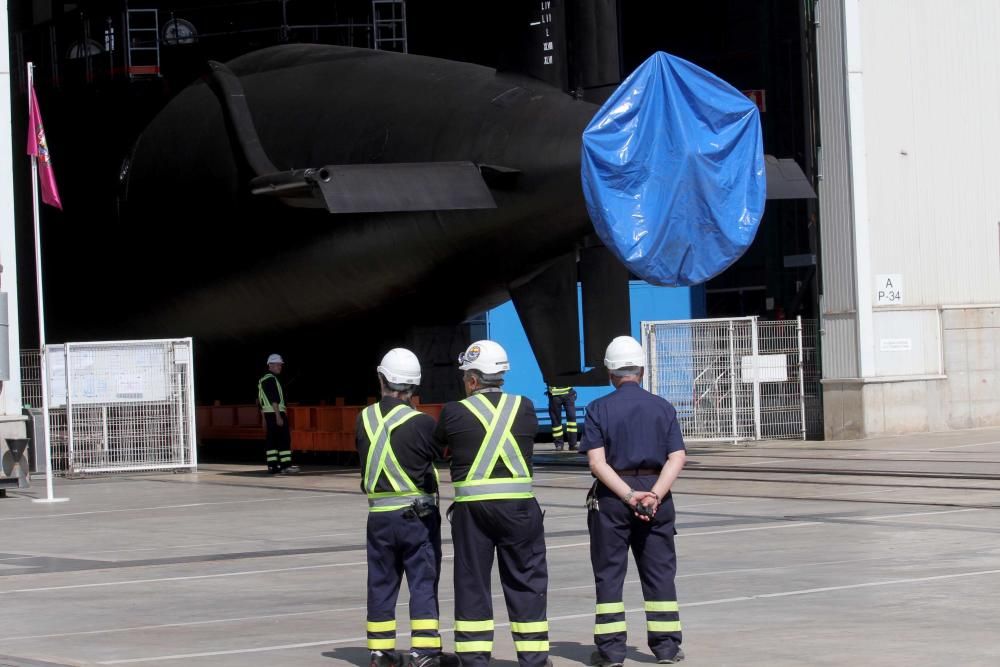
624	352
484	356
275	359
400	366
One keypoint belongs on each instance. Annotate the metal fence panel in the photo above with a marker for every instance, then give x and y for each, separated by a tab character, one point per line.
120	406
736	379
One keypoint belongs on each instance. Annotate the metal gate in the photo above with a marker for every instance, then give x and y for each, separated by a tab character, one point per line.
119	406
736	379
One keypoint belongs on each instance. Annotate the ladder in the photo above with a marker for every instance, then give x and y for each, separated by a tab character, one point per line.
389	25
142	29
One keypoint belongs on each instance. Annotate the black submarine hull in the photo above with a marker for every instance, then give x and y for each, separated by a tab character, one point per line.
198	255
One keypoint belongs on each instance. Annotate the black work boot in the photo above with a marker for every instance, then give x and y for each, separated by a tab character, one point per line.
597	659
383	659
673	660
424	660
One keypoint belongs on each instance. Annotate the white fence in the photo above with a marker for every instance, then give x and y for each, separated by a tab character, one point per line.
737	379
117	406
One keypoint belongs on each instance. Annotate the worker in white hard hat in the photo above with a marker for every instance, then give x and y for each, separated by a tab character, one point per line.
635	448
397	451
271	398
491	435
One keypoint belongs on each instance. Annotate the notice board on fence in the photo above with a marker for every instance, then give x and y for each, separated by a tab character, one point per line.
101	374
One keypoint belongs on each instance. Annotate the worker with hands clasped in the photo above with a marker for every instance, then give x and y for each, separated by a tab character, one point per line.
635	449
396	447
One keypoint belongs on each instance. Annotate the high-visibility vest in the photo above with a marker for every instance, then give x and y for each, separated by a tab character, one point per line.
559	391
498	445
265	403
382	461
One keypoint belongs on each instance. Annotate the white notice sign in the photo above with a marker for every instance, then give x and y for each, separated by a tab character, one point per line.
888	289
895	344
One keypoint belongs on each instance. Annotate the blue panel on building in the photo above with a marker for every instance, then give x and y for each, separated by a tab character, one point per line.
647	303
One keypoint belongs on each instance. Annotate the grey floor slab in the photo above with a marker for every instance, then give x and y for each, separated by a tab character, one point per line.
880	552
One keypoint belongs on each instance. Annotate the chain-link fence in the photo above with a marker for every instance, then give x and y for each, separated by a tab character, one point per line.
737	379
118	406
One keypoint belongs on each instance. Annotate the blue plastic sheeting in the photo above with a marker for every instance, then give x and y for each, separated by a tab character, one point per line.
673	172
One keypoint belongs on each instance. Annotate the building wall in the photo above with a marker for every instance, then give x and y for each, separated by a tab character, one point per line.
838	306
11	421
10	398
922	87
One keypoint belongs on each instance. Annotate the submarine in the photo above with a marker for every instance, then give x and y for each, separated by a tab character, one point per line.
336	200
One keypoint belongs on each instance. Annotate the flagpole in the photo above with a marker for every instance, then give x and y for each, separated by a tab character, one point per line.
49	494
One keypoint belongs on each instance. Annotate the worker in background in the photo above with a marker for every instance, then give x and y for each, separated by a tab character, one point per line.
635	449
271	397
562	398
491	436
396	447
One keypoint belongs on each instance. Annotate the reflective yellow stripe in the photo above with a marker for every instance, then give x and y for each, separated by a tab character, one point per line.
661	606
496	496
611	608
531	646
663	626
424	624
426	642
609	628
536	626
381	626
389	508
379	644
473	647
473	626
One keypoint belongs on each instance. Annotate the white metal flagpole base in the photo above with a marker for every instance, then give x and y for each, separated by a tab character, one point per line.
49	500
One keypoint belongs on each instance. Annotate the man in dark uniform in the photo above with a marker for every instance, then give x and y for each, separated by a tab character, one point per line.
636	450
396	447
491	435
278	438
560	399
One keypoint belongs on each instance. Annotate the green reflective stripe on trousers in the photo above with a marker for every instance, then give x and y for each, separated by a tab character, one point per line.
426	642
473	647
663	626
609	628
534	626
381	644
473	626
665	605
381	626
531	646
424	624
610	607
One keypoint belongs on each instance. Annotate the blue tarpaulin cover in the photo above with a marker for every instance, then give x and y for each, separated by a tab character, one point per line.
673	172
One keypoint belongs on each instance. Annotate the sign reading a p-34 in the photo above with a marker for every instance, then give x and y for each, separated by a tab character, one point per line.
888	289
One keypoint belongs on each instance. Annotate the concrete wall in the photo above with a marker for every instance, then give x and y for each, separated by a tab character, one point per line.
966	395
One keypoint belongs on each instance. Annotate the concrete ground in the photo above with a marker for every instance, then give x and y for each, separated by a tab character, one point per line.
881	552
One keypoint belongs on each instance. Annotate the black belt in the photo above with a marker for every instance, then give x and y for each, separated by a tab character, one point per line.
636	472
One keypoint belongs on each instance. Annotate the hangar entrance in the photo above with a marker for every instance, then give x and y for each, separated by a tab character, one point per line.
766	49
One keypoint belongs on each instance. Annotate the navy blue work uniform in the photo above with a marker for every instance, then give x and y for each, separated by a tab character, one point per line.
637	430
491	436
277	437
562	399
396	446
